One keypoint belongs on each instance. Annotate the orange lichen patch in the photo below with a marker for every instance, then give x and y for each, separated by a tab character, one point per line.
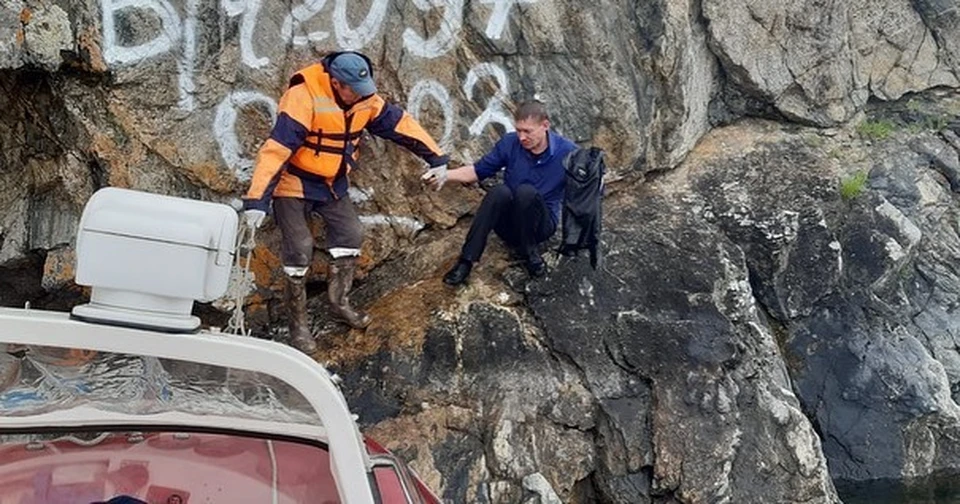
264	264
709	146
89	42
256	298
320	269
255	304
734	141
165	149
402	317
105	148
267	266
365	263
400	322
58	269
211	175
619	154
256	307
25	15
351	347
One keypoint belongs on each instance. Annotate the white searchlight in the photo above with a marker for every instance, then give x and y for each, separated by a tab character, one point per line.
148	257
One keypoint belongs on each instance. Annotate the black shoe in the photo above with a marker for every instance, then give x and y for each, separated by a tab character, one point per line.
459	273
535	266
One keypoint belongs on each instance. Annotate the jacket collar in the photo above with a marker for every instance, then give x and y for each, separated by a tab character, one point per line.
551	142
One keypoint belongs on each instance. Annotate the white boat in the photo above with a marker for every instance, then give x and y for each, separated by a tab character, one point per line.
126	400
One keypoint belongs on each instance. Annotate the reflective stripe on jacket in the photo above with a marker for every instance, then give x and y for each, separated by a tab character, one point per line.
314	144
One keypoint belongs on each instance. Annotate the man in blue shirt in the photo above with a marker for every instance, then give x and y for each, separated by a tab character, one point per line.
525	209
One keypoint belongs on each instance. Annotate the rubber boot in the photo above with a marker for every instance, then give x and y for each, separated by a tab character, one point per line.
339	283
296	300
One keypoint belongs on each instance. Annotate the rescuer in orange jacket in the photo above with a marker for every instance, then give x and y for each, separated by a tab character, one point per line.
304	168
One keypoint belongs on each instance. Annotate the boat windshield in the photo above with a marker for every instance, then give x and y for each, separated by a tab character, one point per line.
82	458
35	380
161	467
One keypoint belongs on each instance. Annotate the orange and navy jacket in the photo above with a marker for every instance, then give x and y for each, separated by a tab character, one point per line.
313	145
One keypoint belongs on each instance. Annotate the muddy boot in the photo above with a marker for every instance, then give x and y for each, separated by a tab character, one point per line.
296	300
339	283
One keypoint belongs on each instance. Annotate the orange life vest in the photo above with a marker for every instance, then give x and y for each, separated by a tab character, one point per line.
330	149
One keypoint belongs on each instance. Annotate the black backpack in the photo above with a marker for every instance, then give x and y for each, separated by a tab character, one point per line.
582	209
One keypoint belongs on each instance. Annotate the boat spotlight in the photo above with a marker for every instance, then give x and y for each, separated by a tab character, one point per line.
148	257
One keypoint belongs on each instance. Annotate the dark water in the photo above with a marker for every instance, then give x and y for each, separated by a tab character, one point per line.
941	489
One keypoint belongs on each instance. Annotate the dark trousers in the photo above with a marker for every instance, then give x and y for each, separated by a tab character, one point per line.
343	227
520	218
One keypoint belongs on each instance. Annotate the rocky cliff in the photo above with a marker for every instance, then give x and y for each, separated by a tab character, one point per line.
776	306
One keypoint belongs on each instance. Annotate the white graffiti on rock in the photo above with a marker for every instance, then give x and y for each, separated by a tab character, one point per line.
179	36
446	37
224	128
429	87
495	112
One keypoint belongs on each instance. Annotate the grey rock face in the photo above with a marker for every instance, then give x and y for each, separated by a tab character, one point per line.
852	283
797	58
763	312
942	155
670	341
46	33
944	22
655	378
820	62
11	34
34	34
509	420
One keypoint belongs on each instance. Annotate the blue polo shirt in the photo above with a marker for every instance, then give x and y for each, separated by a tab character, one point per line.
544	171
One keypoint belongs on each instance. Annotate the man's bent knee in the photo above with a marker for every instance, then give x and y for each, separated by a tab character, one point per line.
298	251
498	195
344	229
346	238
526	194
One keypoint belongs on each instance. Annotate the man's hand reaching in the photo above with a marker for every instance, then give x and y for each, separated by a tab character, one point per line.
436	176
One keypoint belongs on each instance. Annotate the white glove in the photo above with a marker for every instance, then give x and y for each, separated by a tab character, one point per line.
254	218
436	176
